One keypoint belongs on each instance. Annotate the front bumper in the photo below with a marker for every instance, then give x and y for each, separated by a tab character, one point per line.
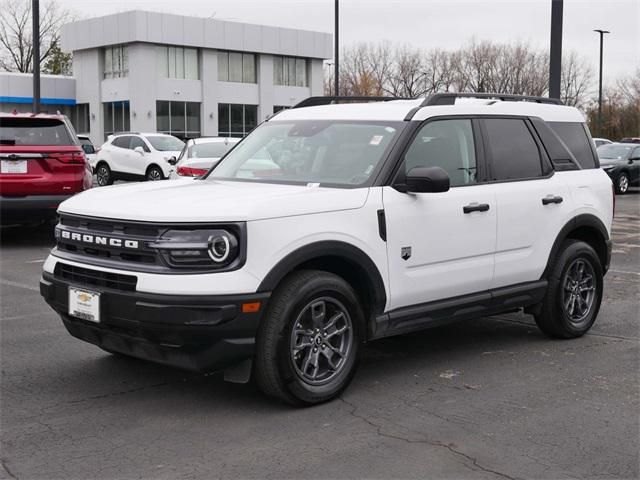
194	332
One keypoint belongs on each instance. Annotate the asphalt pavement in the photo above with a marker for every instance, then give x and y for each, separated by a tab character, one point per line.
491	398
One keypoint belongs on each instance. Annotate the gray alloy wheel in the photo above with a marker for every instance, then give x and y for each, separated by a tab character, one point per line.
321	340
103	175
154	174
622	183
579	290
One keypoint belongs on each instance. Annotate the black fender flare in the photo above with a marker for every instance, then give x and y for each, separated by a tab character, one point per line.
342	250
583	220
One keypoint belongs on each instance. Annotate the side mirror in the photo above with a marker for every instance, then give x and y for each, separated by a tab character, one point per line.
427	180
139	150
172	161
633	159
88	149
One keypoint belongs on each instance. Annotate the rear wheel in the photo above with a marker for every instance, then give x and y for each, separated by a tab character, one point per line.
154	174
103	175
309	341
574	293
622	183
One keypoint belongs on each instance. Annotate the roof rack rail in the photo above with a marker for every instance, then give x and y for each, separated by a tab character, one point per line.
315	101
450	98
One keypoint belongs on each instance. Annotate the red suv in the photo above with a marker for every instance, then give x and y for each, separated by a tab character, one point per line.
41	164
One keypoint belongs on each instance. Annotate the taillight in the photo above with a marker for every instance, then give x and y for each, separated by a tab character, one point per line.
191	172
69	157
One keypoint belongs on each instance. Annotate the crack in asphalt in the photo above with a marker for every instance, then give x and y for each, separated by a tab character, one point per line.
3	464
434	443
123	392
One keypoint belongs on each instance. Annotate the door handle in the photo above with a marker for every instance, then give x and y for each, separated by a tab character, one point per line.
551	199
475	207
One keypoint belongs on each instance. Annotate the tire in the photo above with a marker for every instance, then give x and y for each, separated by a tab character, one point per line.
325	361
153	174
103	175
574	293
622	183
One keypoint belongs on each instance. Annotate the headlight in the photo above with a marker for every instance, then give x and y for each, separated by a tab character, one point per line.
198	248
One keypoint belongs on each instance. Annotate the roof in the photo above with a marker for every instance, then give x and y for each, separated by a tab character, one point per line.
170	29
31	115
199	141
397	110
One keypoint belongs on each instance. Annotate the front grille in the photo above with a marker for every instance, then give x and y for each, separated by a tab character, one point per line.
143	234
94	278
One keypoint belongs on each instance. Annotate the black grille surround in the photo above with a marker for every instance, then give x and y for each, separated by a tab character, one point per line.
76	240
95	278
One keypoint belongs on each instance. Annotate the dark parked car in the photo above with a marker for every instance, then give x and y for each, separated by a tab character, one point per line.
630	140
621	161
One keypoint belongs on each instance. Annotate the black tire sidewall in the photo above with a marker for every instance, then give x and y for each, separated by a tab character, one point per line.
321	285
573	251
151	169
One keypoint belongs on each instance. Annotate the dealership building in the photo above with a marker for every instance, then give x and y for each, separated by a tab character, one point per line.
188	76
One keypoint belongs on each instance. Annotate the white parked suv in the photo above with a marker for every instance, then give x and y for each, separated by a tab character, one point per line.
137	156
334	225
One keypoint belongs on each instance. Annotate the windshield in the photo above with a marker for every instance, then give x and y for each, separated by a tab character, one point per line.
209	150
165	143
310	152
613	151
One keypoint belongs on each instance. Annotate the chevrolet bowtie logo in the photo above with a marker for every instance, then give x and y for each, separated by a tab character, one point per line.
84	297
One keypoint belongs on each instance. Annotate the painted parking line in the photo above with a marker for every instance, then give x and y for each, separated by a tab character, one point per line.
9	283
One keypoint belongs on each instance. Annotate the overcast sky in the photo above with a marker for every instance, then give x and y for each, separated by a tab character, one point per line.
427	23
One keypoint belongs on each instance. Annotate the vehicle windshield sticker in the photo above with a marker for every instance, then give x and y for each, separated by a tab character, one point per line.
313	184
376	139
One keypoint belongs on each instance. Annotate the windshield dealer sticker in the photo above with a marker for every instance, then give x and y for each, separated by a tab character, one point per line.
376	139
313	185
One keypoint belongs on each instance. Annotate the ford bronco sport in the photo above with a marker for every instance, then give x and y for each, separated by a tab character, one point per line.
333	225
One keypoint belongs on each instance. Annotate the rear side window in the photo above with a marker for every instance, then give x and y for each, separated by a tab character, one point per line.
34	131
575	137
561	158
513	151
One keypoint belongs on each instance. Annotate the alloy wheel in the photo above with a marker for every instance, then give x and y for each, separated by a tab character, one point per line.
102	175
623	183
579	290
154	175
321	340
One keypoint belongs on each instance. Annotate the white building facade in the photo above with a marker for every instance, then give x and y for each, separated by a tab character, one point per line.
188	76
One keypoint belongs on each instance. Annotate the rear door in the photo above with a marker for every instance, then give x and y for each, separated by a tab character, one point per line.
533	201
39	156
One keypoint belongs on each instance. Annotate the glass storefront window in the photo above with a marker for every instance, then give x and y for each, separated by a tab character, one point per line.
116	116
116	62
290	71
236	120
177	62
237	67
181	119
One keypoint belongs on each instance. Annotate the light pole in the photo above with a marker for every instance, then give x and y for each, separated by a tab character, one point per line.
336	54
555	49
35	16
601	32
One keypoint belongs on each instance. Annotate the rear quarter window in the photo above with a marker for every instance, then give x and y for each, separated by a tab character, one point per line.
575	137
35	131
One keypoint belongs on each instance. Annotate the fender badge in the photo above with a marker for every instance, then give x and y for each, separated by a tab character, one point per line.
405	253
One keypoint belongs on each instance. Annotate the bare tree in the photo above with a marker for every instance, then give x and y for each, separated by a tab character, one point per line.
16	32
576	79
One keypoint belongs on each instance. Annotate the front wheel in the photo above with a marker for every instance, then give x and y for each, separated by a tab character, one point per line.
153	174
622	183
309	342
574	292
103	175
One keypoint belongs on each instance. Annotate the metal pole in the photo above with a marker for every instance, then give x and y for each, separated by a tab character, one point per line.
555	50
336	67
35	15
601	32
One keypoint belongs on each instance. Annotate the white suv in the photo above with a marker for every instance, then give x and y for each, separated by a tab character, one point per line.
137	156
335	225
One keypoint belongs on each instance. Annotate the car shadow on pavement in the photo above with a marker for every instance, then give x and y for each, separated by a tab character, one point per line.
35	235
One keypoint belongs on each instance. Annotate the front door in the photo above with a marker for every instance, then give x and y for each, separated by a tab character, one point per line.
441	245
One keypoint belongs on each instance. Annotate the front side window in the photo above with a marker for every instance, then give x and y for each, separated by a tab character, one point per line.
513	151
237	67
235	120
323	153
138	142
116	62
181	119
447	144
290	71
177	62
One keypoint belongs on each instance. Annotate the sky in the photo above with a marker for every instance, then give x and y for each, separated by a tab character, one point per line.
446	24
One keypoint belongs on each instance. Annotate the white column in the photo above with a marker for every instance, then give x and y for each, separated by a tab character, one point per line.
209	80
265	86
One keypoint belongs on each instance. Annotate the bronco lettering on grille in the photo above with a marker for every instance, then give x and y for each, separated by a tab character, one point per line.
99	240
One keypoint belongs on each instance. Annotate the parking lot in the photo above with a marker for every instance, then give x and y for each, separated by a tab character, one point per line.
491	398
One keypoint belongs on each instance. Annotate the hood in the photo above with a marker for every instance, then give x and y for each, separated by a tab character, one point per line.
191	200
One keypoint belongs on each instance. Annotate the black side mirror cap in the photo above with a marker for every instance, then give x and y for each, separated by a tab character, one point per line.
427	180
172	161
